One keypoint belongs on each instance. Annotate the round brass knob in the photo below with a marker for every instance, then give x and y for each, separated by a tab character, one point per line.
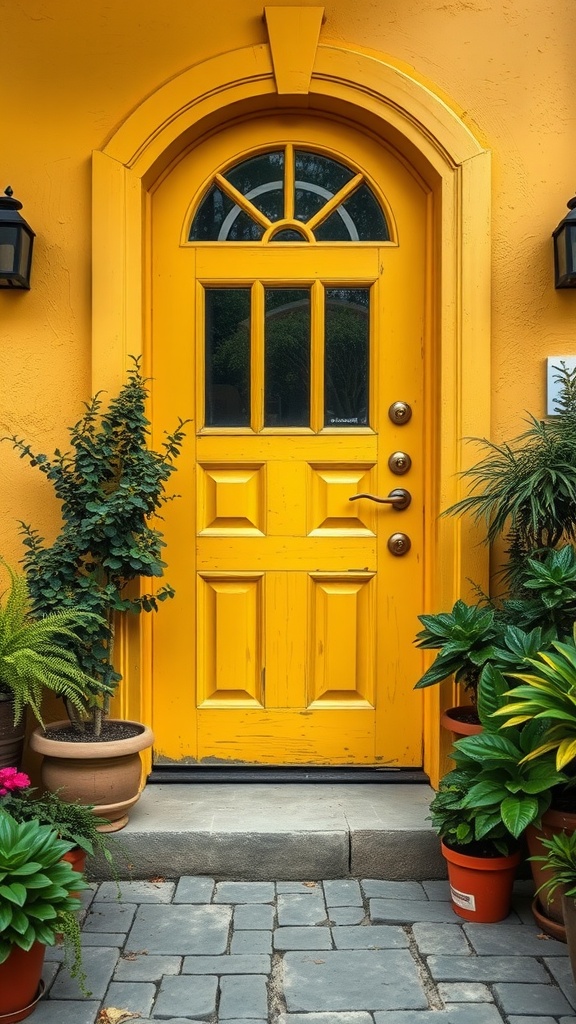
399	544
400	413
399	463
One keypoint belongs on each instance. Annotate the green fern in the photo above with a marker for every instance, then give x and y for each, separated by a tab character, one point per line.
38	654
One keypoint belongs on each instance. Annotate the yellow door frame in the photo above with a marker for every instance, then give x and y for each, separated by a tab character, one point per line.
372	93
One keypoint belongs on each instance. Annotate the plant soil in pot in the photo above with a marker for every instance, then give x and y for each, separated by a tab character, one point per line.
480	886
462	720
105	773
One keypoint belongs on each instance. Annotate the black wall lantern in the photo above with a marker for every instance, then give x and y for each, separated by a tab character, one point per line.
16	241
565	249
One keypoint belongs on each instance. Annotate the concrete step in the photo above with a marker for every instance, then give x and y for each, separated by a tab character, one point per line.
279	831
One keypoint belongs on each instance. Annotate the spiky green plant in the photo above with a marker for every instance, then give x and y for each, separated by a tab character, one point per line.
560	860
525	489
35	887
39	654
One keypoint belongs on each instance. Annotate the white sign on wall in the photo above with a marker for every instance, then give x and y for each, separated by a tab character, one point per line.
553	386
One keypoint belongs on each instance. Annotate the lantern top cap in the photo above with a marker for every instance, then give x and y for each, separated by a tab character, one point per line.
7	202
571	204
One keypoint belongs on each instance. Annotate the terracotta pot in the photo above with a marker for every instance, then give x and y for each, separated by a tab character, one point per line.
480	887
11	736
454	725
77	858
20	985
550	916
106	774
569	913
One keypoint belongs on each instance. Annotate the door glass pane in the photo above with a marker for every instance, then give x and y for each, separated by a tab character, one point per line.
347	334
317	179
358	218
219	219
287	357
227	357
261	180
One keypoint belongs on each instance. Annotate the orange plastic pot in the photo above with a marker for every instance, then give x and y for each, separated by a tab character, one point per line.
480	887
450	721
20	986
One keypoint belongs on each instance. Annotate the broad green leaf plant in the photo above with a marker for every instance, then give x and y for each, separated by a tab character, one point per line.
39	654
111	486
35	888
495	791
547	694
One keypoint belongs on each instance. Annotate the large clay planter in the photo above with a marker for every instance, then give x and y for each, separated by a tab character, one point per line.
459	728
11	736
106	774
480	887
548	913
20	986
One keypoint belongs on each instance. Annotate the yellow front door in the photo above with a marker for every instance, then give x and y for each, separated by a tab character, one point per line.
288	299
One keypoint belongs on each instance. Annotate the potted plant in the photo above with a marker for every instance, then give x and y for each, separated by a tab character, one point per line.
74	822
525	490
559	866
36	906
36	655
546	694
111	486
485	804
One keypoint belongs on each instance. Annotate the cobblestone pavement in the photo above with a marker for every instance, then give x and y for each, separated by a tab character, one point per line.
333	952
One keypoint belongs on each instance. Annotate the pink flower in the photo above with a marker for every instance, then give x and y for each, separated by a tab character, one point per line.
11	779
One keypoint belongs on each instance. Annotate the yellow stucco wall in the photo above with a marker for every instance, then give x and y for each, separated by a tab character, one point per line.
506	67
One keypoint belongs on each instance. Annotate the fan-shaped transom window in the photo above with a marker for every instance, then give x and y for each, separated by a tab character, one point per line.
289	195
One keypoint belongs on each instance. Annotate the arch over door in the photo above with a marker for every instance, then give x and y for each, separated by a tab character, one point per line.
288	315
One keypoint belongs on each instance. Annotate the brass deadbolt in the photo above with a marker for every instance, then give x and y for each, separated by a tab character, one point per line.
399	463
400	413
399	544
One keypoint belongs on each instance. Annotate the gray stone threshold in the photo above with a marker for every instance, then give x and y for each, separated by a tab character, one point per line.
270	831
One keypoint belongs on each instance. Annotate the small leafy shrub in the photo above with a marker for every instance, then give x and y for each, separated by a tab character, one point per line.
111	485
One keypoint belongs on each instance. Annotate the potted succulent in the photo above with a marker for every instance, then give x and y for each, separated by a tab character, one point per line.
36	655
36	906
111	485
485	804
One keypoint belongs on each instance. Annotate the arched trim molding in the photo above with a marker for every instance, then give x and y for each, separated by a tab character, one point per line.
369	91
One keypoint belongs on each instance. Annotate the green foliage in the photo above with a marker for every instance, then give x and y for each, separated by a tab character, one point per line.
38	654
111	486
526	489
493	794
466	639
473	638
506	787
74	822
560	858
547	694
35	886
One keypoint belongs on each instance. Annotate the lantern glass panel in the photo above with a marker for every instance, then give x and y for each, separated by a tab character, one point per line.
8	247
23	262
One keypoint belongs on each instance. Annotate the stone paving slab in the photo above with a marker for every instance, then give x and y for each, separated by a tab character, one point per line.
216	952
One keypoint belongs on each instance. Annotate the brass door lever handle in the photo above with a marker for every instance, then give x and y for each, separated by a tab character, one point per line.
399	498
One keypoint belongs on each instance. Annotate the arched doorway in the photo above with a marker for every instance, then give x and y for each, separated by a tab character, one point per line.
384	103
288	316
